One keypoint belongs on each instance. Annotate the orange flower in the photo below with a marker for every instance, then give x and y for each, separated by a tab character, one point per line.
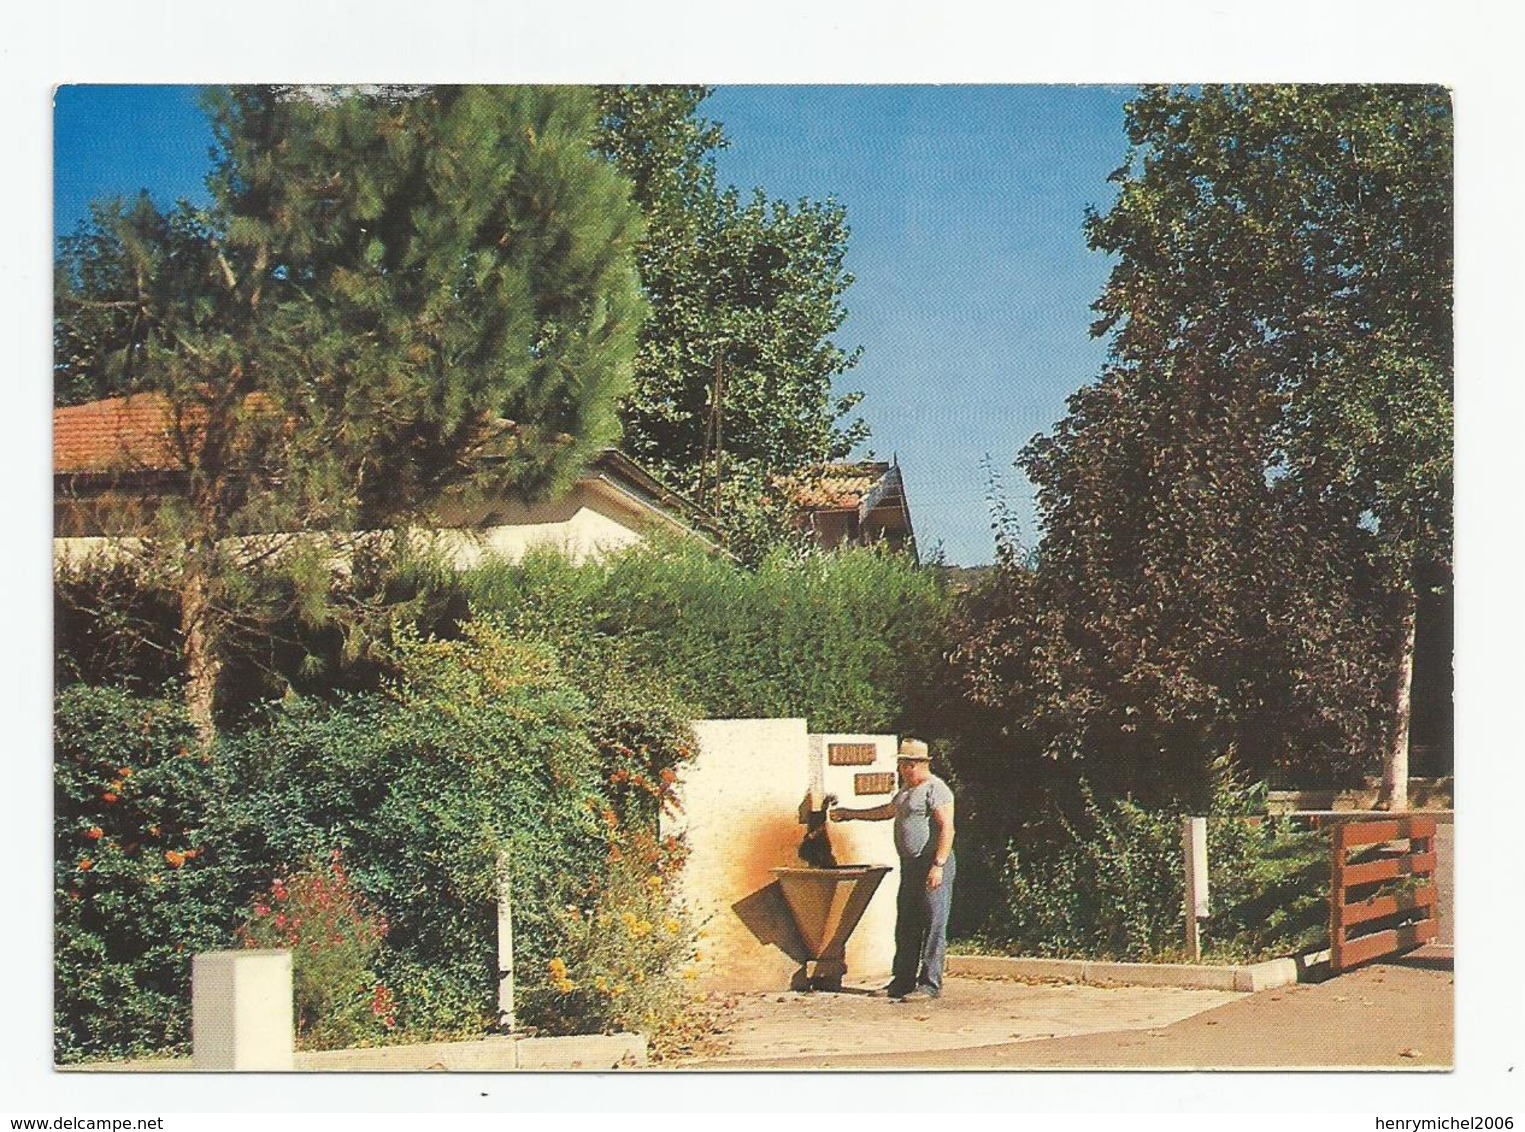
175	859
125	772
109	798
192	854
86	864
95	833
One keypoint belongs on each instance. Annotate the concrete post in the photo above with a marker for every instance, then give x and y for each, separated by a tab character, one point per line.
1194	853
506	1020
241	1011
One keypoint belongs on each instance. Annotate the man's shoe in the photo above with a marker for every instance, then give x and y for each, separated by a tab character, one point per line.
895	990
920	994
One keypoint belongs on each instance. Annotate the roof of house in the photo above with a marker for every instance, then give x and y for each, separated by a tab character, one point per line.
860	487
836	487
141	433
866	488
118	434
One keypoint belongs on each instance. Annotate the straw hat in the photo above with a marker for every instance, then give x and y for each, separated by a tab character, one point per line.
913	749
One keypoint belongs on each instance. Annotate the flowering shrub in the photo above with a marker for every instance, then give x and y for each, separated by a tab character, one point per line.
334	938
482	748
138	886
627	951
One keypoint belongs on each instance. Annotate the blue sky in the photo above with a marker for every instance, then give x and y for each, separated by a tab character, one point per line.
965	205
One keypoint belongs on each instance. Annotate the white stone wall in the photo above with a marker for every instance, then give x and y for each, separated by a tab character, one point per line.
744	802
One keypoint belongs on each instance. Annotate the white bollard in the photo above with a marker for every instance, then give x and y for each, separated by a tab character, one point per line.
507	1021
241	1011
1194	852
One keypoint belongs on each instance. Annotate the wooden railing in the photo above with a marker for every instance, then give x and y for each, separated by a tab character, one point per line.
1382	899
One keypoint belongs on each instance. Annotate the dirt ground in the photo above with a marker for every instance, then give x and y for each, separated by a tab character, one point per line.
1397	1015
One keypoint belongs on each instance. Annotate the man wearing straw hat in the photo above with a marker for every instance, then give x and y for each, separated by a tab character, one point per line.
922	810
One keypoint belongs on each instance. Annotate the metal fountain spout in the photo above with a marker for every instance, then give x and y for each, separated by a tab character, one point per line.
826	900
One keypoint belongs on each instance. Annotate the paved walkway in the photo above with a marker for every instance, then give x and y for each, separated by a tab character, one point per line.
808	1030
1393	1016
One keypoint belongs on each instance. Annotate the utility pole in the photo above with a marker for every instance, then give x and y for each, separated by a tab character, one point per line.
714	441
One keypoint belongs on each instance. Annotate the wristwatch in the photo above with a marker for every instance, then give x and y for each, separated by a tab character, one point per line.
939	864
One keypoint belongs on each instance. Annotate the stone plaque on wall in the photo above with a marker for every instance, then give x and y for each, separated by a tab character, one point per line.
874	783
851	754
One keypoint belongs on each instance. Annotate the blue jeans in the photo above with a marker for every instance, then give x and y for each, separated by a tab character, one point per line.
921	924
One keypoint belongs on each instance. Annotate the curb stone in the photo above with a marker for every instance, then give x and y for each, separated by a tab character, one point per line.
598	1052
1247	978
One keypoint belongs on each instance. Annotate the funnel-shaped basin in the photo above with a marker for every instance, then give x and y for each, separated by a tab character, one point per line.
828	903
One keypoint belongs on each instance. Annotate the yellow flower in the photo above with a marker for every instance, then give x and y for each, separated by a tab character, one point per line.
601	983
673	927
558	968
654	883
698	957
691	974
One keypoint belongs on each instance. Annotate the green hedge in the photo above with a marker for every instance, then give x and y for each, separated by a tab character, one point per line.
846	640
422	790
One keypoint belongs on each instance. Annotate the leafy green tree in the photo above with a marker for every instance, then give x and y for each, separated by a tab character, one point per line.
397	293
1300	237
1238	513
734	379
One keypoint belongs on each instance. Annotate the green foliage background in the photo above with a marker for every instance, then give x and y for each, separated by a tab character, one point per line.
479	747
126	922
1112	886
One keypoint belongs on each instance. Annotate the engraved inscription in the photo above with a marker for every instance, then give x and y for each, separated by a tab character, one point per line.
874	783
851	754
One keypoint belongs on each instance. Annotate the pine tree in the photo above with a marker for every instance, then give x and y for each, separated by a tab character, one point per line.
397	293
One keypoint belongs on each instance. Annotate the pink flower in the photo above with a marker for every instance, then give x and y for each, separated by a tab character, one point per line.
261	910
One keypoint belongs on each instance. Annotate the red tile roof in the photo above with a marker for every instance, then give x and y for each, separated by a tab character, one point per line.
835	487
134	433
141	432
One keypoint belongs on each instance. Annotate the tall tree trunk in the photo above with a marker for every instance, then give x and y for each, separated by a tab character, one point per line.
1395	766
198	635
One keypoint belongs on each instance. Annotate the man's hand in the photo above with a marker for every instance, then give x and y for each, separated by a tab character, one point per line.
935	877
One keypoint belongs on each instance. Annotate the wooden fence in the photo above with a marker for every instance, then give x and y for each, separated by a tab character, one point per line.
1382	896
